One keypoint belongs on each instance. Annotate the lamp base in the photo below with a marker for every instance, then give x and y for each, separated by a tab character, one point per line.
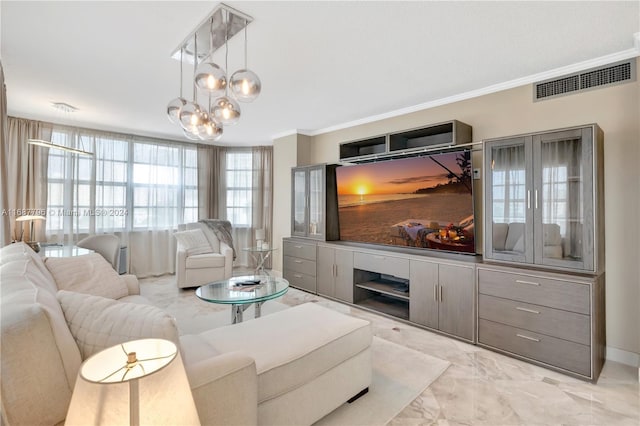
35	246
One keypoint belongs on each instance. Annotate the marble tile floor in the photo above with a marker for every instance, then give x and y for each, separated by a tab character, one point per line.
480	387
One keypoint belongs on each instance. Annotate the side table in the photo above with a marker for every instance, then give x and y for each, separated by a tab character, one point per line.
260	255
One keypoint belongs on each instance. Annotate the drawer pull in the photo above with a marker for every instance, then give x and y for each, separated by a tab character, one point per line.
527	282
527	310
527	337
297	276
298	261
298	247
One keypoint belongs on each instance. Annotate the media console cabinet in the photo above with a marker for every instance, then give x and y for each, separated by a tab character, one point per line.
553	319
538	293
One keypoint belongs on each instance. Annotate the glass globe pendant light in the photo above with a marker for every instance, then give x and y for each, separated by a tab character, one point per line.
226	110
210	130
191	113
245	84
209	76
175	105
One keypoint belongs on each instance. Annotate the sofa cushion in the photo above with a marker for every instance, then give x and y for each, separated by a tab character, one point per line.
193	241
89	274
206	260
97	323
286	358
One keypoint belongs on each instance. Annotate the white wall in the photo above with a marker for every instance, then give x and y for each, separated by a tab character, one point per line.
616	110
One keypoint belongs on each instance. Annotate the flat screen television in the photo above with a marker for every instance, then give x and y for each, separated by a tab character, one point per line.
424	202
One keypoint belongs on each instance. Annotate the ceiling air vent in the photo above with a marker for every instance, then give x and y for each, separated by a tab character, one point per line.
621	72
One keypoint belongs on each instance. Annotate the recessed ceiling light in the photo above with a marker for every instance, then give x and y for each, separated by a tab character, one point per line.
63	107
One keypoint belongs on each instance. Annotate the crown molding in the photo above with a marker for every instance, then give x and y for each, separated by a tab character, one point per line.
557	72
291	132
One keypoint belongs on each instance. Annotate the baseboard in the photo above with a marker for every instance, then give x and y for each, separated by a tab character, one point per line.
623	357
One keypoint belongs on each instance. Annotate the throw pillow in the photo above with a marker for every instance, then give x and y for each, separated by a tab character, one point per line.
194	241
97	323
89	274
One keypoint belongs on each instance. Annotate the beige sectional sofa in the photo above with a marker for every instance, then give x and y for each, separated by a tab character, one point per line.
291	367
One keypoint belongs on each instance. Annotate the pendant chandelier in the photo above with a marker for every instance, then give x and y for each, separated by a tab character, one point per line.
220	94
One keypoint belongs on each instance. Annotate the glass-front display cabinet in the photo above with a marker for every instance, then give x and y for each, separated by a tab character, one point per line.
314	202
544	199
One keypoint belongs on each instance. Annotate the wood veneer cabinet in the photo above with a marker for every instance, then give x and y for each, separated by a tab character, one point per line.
299	263
442	297
544	199
335	273
313	194
553	319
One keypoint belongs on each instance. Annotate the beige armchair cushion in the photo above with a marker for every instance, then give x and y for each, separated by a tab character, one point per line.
89	274
193	241
206	260
97	323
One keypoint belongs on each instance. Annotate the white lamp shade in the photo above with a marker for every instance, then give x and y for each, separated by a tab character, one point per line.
260	234
29	217
160	392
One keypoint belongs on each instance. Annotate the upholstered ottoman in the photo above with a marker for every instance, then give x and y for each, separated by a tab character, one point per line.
309	360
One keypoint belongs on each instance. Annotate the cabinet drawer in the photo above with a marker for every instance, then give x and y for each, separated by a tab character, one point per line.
298	249
565	295
382	264
552	322
550	350
303	281
303	266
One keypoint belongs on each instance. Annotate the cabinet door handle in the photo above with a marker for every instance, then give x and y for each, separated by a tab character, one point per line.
335	270
527	337
527	310
527	282
298	247
528	198
435	292
535	197
297	276
440	292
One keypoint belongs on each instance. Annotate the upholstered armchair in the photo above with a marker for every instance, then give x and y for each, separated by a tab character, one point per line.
201	262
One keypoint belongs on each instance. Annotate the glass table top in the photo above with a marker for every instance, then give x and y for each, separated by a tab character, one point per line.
259	249
231	292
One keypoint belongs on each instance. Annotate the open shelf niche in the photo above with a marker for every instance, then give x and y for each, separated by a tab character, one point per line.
382	293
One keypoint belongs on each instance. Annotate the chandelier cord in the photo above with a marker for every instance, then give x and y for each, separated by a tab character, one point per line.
195	63
246	23
181	78
226	52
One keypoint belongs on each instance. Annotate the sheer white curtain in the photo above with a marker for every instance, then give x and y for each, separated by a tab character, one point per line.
137	188
236	184
509	185
562	189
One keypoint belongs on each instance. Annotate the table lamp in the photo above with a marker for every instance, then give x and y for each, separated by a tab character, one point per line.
32	243
137	382
259	237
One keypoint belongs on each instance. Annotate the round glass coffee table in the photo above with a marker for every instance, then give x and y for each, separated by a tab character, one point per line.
241	292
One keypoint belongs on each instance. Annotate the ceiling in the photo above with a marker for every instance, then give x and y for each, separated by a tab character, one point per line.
322	64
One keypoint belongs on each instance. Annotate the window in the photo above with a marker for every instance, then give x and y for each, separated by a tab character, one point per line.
239	179
131	183
508	196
